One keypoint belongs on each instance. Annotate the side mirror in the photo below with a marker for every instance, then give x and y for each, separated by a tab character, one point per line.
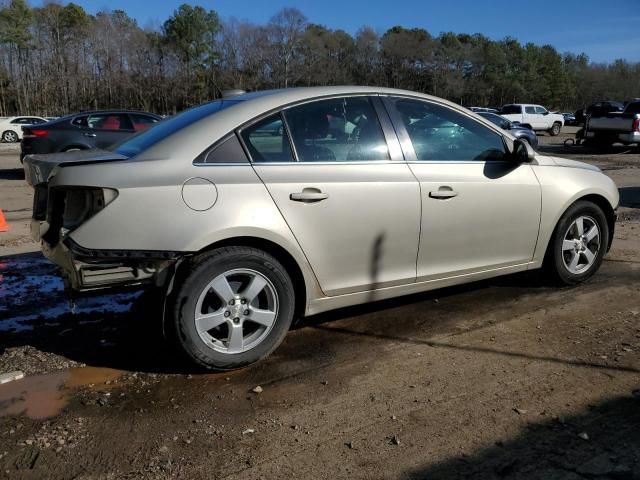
522	151
545	113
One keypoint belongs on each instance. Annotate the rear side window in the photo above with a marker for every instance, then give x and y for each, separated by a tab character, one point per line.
227	151
109	121
530	110
337	130
267	140
633	108
80	121
511	109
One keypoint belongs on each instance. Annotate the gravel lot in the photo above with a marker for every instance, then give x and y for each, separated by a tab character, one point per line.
507	378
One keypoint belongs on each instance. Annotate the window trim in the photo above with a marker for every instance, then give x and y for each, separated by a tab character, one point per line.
372	96
407	144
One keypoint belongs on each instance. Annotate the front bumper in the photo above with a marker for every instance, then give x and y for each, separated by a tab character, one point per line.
84	269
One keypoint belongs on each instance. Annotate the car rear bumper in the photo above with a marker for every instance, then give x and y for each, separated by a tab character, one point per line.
631	137
85	269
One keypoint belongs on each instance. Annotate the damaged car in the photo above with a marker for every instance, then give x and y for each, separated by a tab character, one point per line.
244	232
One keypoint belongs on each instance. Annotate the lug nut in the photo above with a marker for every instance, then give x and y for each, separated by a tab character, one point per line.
227	313
243	301
236	320
232	302
246	312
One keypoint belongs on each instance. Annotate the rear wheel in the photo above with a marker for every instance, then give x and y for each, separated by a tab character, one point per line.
234	308
579	244
9	136
555	129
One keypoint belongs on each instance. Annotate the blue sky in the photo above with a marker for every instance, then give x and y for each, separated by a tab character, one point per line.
604	29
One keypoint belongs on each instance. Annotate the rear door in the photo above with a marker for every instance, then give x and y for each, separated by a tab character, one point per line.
344	190
106	129
479	211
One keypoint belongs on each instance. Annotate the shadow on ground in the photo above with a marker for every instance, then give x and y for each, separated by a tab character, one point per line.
124	330
12	174
603	443
629	197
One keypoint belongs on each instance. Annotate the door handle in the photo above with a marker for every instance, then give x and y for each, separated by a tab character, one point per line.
309	195
443	193
89	134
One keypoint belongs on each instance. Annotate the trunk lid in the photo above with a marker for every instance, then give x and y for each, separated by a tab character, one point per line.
39	168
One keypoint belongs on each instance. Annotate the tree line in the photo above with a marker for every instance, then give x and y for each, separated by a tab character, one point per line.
58	59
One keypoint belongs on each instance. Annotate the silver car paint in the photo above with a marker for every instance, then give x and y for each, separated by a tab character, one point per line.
150	213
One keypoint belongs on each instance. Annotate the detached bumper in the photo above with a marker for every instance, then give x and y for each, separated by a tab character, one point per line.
84	269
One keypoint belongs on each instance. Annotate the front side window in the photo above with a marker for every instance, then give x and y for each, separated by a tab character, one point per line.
530	110
541	110
267	140
439	133
337	130
142	122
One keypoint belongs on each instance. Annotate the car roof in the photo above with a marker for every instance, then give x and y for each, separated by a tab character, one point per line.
248	106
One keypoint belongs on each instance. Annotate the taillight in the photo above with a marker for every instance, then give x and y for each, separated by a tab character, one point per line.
636	124
33	133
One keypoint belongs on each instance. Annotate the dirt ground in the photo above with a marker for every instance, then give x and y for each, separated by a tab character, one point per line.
507	378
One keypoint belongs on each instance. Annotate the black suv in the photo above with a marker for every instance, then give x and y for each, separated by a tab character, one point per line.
83	131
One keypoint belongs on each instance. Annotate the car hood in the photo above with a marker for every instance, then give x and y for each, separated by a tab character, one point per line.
565	162
40	168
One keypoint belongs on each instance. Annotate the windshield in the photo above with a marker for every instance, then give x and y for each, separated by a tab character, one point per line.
137	144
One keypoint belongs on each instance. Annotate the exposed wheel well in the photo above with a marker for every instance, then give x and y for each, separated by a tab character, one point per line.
282	255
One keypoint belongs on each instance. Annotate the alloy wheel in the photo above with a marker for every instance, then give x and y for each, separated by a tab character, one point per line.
236	311
581	245
10	137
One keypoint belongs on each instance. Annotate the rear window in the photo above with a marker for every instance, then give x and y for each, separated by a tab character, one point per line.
633	108
511	109
146	139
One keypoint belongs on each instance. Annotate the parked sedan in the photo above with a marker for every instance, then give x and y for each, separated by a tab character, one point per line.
11	127
514	128
84	131
243	232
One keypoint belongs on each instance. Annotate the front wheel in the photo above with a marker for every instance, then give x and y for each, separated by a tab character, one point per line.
555	129
579	243
234	307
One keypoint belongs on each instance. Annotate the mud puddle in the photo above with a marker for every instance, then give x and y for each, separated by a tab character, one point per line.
44	396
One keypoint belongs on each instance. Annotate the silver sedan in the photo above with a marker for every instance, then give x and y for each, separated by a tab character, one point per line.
250	211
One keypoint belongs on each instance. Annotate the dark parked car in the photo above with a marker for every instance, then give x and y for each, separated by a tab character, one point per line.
569	119
83	131
598	109
514	128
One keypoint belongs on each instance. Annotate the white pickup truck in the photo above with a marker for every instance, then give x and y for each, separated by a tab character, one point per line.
535	117
612	127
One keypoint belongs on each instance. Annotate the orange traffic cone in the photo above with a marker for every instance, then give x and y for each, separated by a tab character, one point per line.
4	226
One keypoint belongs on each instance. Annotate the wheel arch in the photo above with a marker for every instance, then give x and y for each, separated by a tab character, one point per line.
288	261
595	198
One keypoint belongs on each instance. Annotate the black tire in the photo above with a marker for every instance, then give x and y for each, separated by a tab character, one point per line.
555	129
203	269
554	261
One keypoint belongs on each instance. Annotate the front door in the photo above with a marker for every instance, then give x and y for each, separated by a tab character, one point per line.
353	207
480	211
